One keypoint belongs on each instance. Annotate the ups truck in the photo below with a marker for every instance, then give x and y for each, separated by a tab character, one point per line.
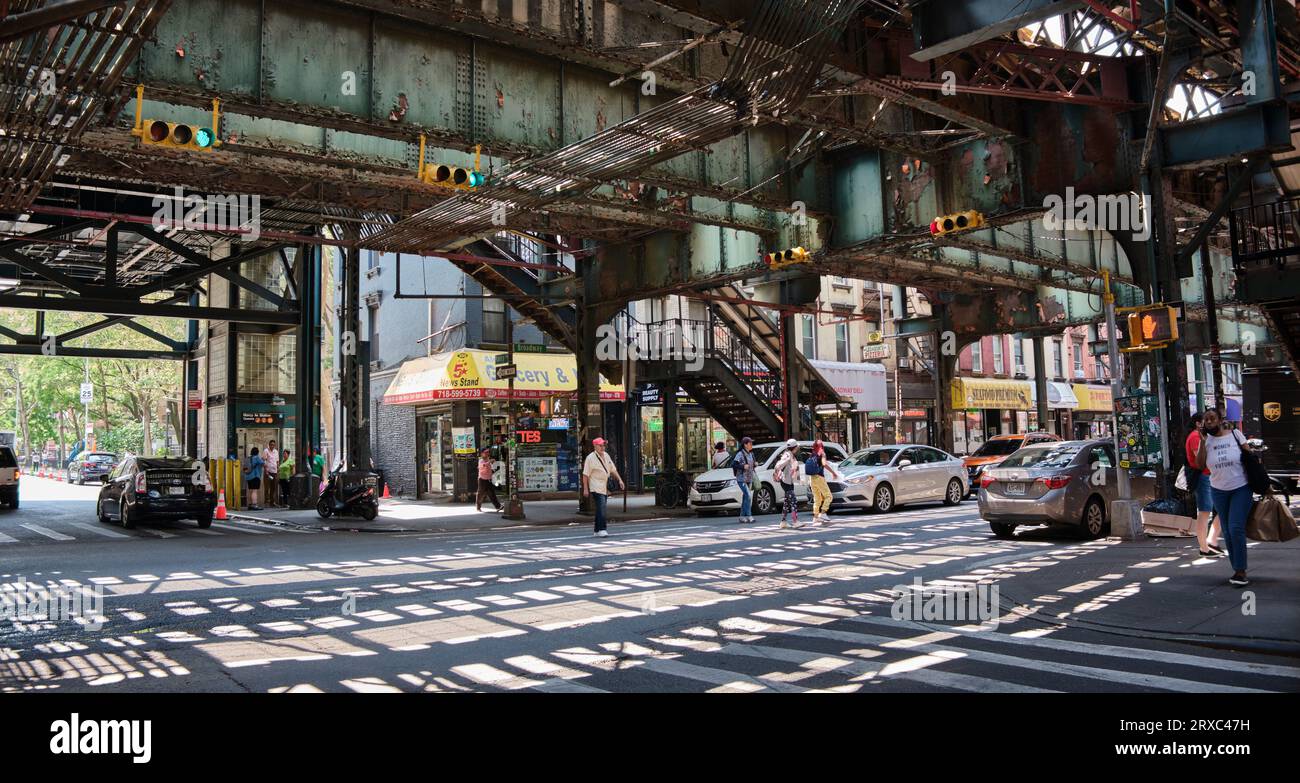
1271	413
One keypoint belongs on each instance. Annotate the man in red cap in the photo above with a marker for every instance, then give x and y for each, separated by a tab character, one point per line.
597	469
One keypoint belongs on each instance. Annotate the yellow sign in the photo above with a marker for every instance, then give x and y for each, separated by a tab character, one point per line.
978	393
1092	398
1273	411
875	337
470	374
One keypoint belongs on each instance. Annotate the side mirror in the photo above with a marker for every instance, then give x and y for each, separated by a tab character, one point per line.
902	463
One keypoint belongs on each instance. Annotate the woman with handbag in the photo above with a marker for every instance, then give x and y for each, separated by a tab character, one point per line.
1198	486
1224	451
786	474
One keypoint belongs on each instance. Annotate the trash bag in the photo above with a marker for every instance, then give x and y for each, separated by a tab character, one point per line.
1175	506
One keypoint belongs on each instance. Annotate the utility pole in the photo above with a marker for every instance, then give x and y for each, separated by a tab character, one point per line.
86	409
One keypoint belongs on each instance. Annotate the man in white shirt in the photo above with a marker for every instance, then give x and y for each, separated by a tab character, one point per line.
271	467
596	472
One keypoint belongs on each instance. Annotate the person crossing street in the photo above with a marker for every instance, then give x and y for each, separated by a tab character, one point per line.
742	467
817	467
787	473
597	470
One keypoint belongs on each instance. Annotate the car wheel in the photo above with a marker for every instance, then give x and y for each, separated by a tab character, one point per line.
955	493
1003	529
127	520
883	499
765	500
204	522
1094	518
13	501
99	512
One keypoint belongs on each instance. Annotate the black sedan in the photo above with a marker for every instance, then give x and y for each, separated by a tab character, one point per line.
142	488
91	466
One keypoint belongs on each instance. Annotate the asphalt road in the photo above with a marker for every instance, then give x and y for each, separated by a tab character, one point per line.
684	605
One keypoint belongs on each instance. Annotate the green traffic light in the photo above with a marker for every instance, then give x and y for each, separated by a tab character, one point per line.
476	179
203	138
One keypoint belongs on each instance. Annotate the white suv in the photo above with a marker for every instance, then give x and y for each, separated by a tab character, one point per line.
8	477
716	490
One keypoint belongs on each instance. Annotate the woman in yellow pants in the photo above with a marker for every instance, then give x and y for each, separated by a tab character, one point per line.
817	468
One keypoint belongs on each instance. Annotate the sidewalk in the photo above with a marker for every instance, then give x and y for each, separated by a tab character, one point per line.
1161	588
398	515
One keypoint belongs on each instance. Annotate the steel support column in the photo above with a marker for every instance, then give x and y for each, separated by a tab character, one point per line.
1040	383
307	263
590	420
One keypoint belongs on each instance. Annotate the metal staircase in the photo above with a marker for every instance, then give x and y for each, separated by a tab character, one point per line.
1266	258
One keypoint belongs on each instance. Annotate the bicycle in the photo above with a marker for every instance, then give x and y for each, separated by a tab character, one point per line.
671	489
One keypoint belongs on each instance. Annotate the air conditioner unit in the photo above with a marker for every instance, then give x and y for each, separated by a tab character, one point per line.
1020	369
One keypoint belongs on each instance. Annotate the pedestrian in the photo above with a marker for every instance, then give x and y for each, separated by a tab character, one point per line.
271	467
787	473
597	470
816	468
742	467
720	456
1220	451
254	478
485	487
285	473
1198	486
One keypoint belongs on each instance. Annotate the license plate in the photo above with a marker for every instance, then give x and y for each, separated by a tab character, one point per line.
706	498
1015	489
176	490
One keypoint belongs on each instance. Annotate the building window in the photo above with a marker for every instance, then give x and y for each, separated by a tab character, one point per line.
265	363
1231	378
1018	353
841	281
1057	364
809	337
372	313
997	354
977	356
266	271
494	320
842	342
1078	360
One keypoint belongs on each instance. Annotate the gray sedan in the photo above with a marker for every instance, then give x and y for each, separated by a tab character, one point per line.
1061	483
881	478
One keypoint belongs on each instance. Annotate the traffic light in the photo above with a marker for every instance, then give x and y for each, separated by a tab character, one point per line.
1152	327
961	221
784	258
448	176
177	135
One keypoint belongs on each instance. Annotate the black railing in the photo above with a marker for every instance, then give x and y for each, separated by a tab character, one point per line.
713	338
1266	233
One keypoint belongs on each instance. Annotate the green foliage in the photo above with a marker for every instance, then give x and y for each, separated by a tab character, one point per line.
122	438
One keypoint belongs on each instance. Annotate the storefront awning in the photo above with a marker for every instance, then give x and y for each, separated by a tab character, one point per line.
1093	398
470	374
979	393
862	382
1059	396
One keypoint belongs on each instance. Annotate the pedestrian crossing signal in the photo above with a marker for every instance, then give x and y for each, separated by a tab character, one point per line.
784	258
1152	327
960	221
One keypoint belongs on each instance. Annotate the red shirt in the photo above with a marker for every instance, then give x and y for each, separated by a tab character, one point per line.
1194	445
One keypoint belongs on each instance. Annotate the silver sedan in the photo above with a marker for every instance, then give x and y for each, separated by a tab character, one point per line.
1060	483
883	477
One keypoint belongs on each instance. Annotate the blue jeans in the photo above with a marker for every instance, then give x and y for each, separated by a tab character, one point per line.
745	499
1233	507
601	501
1204	500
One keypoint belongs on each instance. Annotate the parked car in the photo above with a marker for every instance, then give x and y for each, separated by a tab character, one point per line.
716	490
142	488
1060	483
881	478
94	465
998	448
9	475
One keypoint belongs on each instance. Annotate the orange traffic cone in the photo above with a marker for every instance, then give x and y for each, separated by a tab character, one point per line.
58	476
221	504
385	495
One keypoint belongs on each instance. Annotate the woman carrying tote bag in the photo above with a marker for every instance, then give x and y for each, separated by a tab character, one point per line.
1224	452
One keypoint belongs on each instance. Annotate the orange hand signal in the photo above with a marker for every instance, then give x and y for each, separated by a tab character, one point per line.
1148	326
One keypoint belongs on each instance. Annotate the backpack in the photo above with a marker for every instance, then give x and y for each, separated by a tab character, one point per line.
813	466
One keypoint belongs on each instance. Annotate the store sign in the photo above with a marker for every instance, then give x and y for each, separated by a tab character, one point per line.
875	338
654	425
529	436
650	396
558	424
194	400
875	351
978	393
261	419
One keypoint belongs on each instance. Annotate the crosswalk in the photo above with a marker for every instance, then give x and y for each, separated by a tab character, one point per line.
14	532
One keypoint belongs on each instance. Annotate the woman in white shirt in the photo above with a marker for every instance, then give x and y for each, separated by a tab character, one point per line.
787	473
1220	451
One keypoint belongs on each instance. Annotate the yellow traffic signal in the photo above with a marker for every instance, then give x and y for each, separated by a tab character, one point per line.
795	255
178	135
960	221
1152	327
448	176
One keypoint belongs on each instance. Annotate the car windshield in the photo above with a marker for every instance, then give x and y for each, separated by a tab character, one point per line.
870	458
100	458
1042	457
998	448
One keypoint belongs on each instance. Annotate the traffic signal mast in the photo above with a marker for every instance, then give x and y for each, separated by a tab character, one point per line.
452	177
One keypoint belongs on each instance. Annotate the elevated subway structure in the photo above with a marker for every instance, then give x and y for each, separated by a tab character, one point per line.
822	125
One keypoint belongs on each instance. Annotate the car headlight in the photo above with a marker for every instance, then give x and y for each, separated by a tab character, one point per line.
860	479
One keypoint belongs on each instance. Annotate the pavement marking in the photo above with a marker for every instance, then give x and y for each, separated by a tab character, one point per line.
565	686
45	531
1034	664
733	681
4	539
1047	643
100	530
243	529
149	531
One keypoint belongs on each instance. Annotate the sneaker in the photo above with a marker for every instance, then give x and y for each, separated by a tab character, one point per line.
797	524
785	525
601	533
1238	580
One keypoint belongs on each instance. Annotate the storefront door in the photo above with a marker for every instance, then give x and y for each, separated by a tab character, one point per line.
248	437
436	458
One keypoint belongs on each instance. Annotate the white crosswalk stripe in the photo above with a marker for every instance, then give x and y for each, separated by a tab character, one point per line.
98	530
45	531
5	539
